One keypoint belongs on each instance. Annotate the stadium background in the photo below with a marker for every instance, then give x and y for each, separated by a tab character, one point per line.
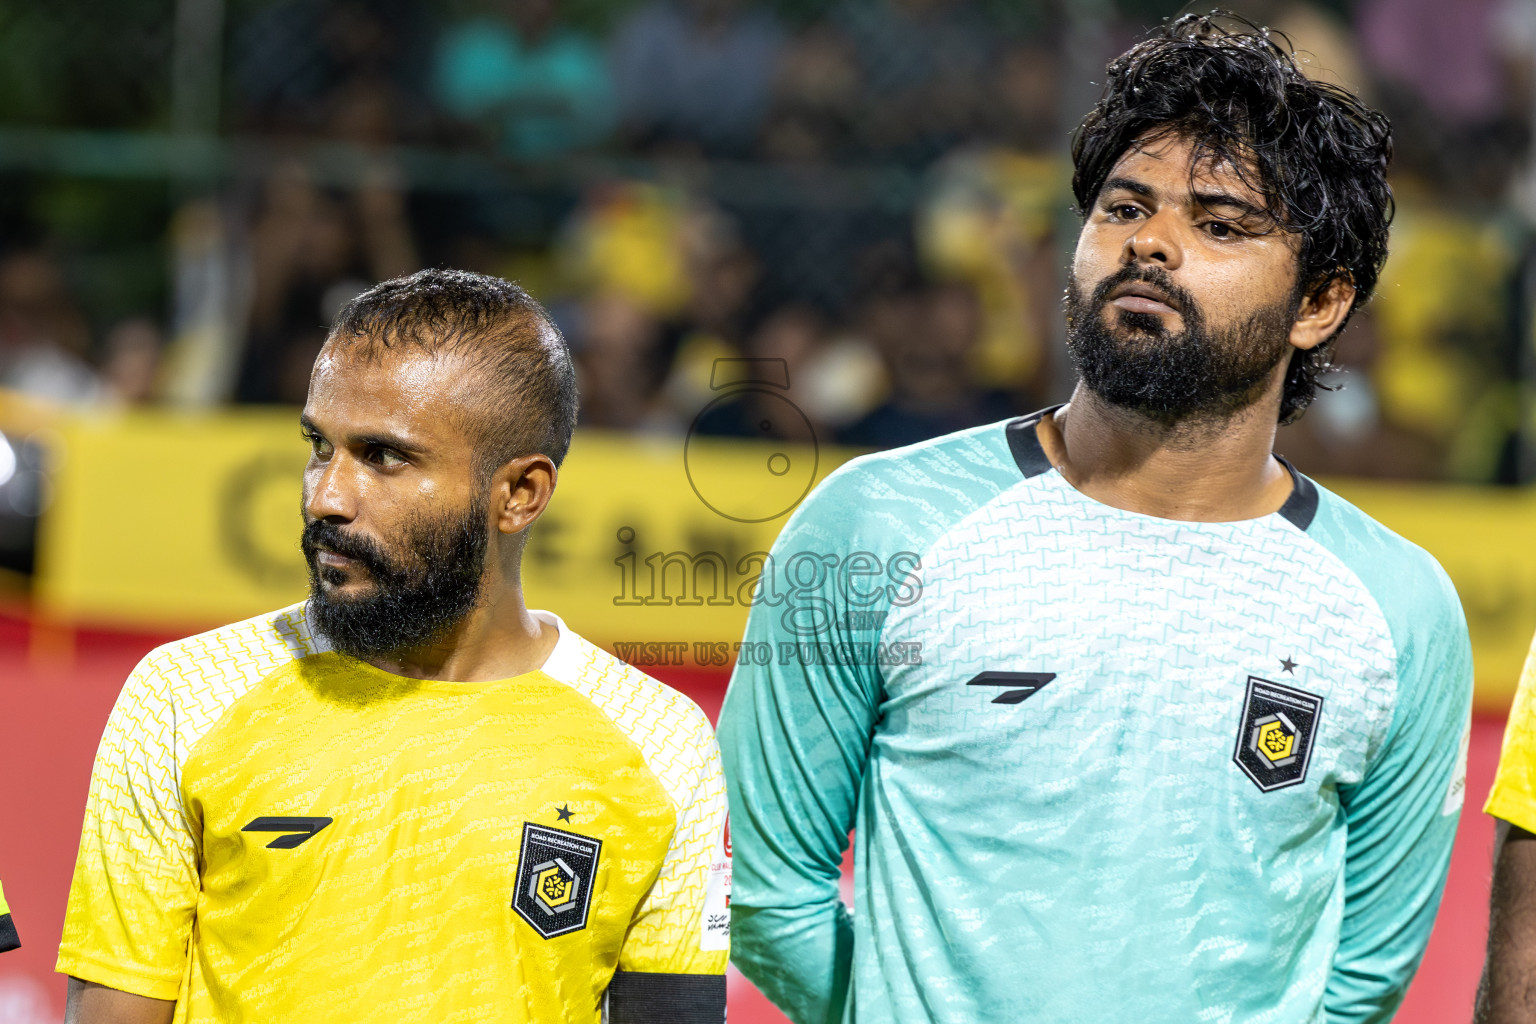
868	197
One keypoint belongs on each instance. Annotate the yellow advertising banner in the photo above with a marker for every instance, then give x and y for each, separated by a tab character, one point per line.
165	521
162	519
1485	537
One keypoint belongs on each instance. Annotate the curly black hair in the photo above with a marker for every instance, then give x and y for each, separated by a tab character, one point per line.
1314	151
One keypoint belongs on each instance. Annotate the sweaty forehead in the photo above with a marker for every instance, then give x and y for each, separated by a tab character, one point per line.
408	392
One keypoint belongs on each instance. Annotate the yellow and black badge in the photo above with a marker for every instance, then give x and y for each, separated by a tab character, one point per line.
555	872
1274	737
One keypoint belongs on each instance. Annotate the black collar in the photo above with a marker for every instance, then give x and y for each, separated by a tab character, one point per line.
1300	508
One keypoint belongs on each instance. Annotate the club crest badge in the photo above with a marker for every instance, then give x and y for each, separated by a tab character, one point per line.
555	873
1275	734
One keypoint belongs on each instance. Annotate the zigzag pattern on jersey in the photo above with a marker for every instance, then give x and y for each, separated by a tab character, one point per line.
909	494
1158	584
171	699
1138	602
675	738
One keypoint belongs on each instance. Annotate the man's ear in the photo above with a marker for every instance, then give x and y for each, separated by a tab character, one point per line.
520	490
1322	312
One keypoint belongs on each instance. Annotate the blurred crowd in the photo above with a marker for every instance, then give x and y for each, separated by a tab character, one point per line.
866	198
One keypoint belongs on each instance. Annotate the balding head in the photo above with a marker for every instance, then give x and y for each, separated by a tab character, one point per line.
525	386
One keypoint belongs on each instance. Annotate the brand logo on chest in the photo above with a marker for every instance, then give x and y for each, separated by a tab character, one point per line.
301	830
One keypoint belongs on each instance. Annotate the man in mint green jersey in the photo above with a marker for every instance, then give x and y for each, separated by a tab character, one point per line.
1128	718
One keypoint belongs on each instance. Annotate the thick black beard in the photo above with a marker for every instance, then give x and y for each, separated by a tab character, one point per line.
420	593
1198	374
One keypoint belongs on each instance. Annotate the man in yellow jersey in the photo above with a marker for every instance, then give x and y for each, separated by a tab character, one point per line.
410	798
1508	991
8	936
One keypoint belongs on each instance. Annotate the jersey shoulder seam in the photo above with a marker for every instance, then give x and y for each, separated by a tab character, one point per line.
199	678
1390	544
646	712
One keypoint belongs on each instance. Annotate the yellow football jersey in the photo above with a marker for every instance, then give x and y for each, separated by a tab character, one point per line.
8	938
1513	797
278	832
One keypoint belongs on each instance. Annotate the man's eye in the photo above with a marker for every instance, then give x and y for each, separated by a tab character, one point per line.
1221	229
1124	212
386	458
317	444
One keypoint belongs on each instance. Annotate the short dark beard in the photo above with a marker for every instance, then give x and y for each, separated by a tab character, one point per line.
1196	375
420	593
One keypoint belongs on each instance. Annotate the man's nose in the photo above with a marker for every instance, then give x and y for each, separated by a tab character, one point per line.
1155	242
327	494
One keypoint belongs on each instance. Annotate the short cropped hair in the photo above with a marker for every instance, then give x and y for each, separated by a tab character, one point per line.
528	401
1314	151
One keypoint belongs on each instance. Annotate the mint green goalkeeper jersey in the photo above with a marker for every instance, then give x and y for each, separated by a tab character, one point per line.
1097	765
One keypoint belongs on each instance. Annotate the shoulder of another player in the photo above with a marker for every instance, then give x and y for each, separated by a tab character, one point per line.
1517	761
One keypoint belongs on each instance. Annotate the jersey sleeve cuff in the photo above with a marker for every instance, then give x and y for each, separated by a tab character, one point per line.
138	983
1516	808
